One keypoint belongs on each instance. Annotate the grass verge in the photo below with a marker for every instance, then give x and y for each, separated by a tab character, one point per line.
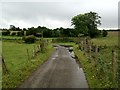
19	67
99	72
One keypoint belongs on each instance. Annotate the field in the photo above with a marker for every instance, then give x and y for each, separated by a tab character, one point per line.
18	65
99	72
11	37
110	40
113	33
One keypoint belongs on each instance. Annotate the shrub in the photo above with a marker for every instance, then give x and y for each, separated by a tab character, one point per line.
21	33
63	39
13	34
5	33
18	33
104	33
29	39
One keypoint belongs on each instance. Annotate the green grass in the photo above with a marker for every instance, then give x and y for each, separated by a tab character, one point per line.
99	72
105	56
12	37
108	41
67	44
95	78
20	37
19	67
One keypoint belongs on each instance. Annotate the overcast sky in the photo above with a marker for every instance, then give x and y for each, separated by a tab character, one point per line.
55	14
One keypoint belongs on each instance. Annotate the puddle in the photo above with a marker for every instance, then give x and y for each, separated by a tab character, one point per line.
72	54
55	46
53	58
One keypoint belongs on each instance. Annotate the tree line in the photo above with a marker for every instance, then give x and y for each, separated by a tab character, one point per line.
39	31
84	25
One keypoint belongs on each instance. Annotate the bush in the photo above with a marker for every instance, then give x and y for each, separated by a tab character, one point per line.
13	34
94	34
104	33
29	39
6	33
63	39
42	46
18	33
21	33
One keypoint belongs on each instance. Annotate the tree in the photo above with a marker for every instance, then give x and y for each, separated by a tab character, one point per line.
18	29
24	29
104	33
12	28
5	32
21	33
87	23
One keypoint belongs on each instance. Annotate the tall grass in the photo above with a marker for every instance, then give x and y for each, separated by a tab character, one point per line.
99	72
19	67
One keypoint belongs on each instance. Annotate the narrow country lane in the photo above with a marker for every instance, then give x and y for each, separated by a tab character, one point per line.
60	71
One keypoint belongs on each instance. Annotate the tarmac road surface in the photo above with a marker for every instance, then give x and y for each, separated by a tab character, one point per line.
59	71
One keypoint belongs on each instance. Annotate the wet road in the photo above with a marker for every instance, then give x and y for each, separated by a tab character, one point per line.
60	71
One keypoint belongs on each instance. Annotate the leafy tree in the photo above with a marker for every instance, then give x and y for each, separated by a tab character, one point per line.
5	32
18	29
12	28
24	29
87	23
21	33
31	31
56	33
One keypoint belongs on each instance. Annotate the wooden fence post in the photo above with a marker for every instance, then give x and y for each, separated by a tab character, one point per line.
38	48
4	67
35	51
96	54
28	54
82	46
33	55
90	51
96	49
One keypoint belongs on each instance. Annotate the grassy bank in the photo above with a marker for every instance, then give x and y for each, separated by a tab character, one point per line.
99	72
19	67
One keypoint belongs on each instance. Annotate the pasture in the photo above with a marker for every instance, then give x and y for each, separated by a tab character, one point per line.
98	71
19	66
99	67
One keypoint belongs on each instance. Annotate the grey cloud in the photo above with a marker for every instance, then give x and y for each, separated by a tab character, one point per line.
36	13
32	11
